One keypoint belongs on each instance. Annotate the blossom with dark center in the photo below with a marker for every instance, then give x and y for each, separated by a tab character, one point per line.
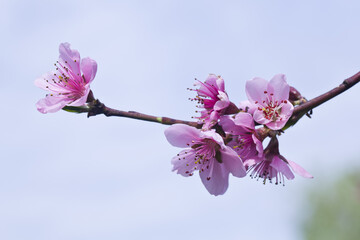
242	135
206	152
69	84
271	99
273	166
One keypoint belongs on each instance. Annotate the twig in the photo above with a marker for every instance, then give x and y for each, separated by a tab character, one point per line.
301	110
96	108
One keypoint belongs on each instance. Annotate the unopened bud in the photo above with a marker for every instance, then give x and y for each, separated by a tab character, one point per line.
294	95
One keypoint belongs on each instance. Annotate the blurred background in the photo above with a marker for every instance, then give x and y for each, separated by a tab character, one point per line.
63	176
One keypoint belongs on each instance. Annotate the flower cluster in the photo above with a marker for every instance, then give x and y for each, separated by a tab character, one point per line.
231	137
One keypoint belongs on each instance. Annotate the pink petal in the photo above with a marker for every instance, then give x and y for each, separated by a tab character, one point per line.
245	120
247	105
299	170
184	162
211	80
208	88
41	81
213	135
70	57
255	90
286	110
279	87
277	124
259	146
45	82
220	105
51	104
259	117
250	162
282	167
179	135
233	162
88	68
227	124
220	84
211	120
82	100
219	178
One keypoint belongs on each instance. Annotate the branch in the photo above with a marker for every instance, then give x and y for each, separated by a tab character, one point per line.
97	107
313	103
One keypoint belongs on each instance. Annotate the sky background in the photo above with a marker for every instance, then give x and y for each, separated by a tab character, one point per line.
63	176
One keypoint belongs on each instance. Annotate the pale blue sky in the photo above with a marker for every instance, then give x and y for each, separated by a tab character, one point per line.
63	176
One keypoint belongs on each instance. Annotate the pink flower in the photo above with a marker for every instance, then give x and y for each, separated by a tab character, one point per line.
244	139
271	99
205	151
273	165
69	84
213	98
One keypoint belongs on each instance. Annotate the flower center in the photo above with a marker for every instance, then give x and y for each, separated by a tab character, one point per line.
205	152
65	82
270	107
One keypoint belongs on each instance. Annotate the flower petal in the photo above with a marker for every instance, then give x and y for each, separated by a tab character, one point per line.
215	179
50	82
247	105
227	124
220	84
180	135
184	162
51	104
282	167
279	87
255	90
41	81
279	124
211	120
88	68
211	134
299	170
209	87
259	117
286	110
82	100
70	57
245	120
259	146
233	162
220	105
250	162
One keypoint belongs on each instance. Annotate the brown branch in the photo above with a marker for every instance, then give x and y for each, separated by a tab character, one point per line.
313	103
96	108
